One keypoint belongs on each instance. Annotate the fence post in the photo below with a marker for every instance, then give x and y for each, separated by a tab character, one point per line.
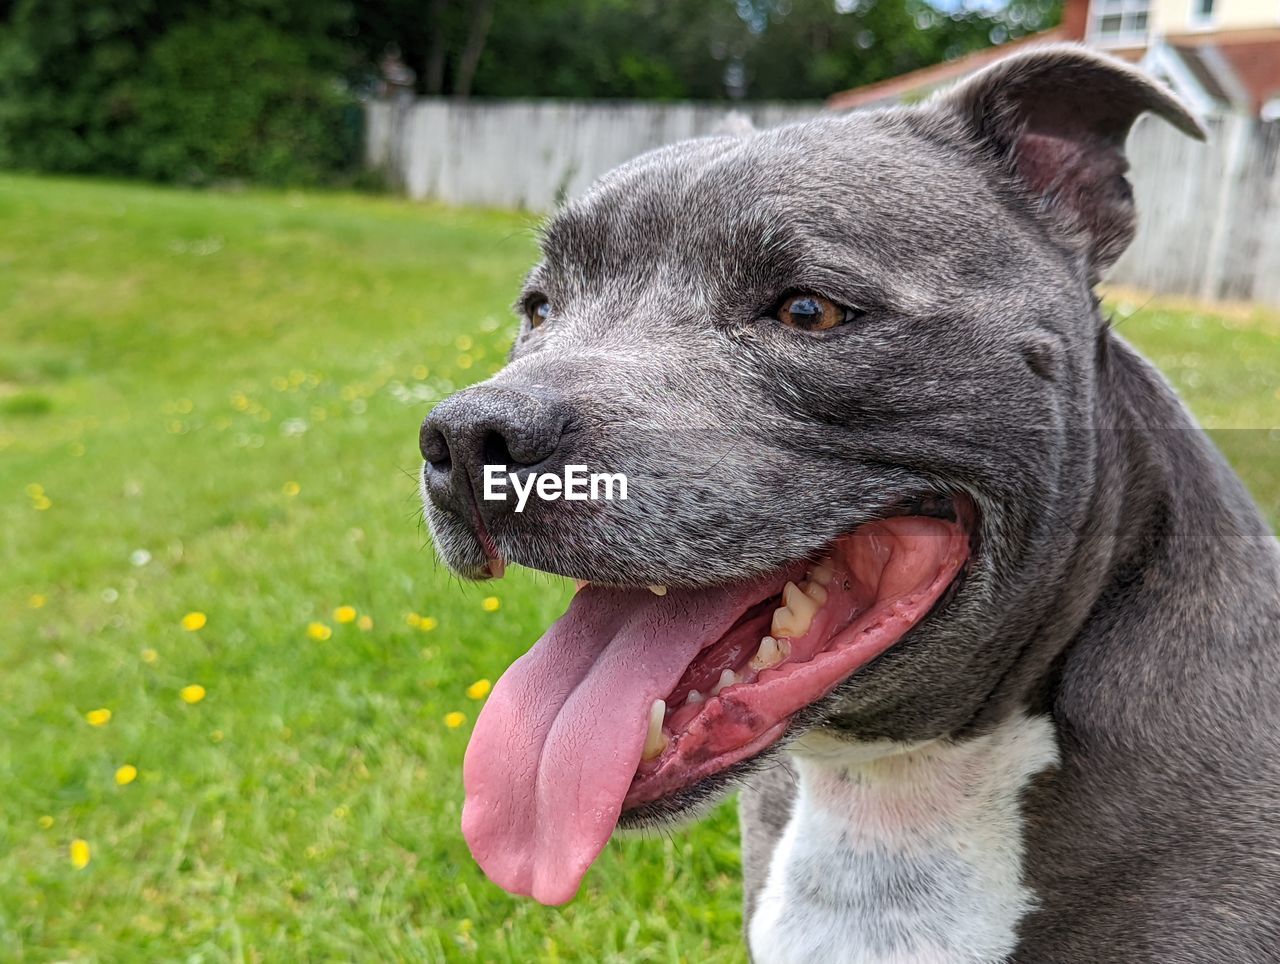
1238	129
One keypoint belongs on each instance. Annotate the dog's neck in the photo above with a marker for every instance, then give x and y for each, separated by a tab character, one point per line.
906	854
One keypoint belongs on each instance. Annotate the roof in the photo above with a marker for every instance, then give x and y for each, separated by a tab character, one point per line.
929	78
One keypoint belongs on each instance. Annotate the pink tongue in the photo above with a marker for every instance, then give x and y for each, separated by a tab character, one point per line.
557	744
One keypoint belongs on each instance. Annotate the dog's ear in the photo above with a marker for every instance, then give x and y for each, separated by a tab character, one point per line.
1056	118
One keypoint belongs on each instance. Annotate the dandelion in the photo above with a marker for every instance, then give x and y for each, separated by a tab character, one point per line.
291	489
37	600
490	604
344	614
126	774
413	620
99	717
79	852
319	631
454	720
340	813
464	361
420	372
194	621
192	693
216	736
479	689
45	822
150	656
365	623
34	490
42	503
428	623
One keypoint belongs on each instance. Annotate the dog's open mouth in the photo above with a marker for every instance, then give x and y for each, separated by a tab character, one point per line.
631	696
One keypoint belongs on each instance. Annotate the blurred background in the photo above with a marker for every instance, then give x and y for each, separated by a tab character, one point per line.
244	247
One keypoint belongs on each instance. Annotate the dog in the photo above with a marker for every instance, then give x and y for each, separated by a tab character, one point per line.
917	551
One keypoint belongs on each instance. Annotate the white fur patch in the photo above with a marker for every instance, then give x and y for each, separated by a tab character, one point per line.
903	854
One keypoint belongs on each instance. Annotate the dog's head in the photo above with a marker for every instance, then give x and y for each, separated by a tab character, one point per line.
848	370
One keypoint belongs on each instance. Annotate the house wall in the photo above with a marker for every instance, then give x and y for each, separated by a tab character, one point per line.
1209	214
1175	16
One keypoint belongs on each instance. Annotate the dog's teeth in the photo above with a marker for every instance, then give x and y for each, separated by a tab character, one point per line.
727	678
796	614
814	591
695	697
655	741
822	574
581	584
658	590
771	653
497	567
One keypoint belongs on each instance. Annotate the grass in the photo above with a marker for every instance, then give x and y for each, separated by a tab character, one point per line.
209	404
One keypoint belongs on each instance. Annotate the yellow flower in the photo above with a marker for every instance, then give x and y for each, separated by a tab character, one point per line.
490	604
45	822
150	656
291	489
454	720
80	855
193	693
41	503
428	623
98	717
126	775
420	372
365	623
464	361
37	600
413	619
217	736
319	631
344	614
463	342
35	490
479	689
194	621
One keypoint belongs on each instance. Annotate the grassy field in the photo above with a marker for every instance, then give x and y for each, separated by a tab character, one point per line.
209	528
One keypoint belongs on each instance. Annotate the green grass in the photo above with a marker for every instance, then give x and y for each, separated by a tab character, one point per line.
172	366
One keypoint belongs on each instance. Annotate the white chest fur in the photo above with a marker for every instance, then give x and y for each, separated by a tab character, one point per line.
903	855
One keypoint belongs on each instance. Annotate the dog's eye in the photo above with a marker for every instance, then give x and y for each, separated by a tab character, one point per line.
810	312
538	308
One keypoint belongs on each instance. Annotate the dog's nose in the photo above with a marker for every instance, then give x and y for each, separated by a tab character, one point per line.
487	425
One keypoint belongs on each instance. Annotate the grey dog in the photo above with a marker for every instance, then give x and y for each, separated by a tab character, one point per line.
1016	694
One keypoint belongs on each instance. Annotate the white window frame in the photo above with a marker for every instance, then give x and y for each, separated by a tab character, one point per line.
1198	19
1128	11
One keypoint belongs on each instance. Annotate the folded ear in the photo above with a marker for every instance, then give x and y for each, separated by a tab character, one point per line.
1057	119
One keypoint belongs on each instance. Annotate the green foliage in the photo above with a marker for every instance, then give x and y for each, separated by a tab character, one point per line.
238	98
192	92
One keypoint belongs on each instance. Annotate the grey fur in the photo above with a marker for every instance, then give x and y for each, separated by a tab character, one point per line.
1124	583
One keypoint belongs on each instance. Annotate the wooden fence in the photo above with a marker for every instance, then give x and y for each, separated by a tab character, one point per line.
1209	213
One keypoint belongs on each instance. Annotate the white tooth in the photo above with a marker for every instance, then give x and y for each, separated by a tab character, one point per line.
815	591
771	653
658	590
796	614
695	697
655	741
727	678
822	574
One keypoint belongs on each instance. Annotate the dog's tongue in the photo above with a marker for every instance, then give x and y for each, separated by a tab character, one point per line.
557	744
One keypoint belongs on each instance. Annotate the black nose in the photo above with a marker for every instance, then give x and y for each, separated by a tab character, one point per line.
487	425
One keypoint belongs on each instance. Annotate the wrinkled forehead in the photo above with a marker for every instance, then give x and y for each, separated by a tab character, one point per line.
872	194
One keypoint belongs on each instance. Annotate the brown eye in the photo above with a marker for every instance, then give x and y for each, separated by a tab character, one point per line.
810	312
538	309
